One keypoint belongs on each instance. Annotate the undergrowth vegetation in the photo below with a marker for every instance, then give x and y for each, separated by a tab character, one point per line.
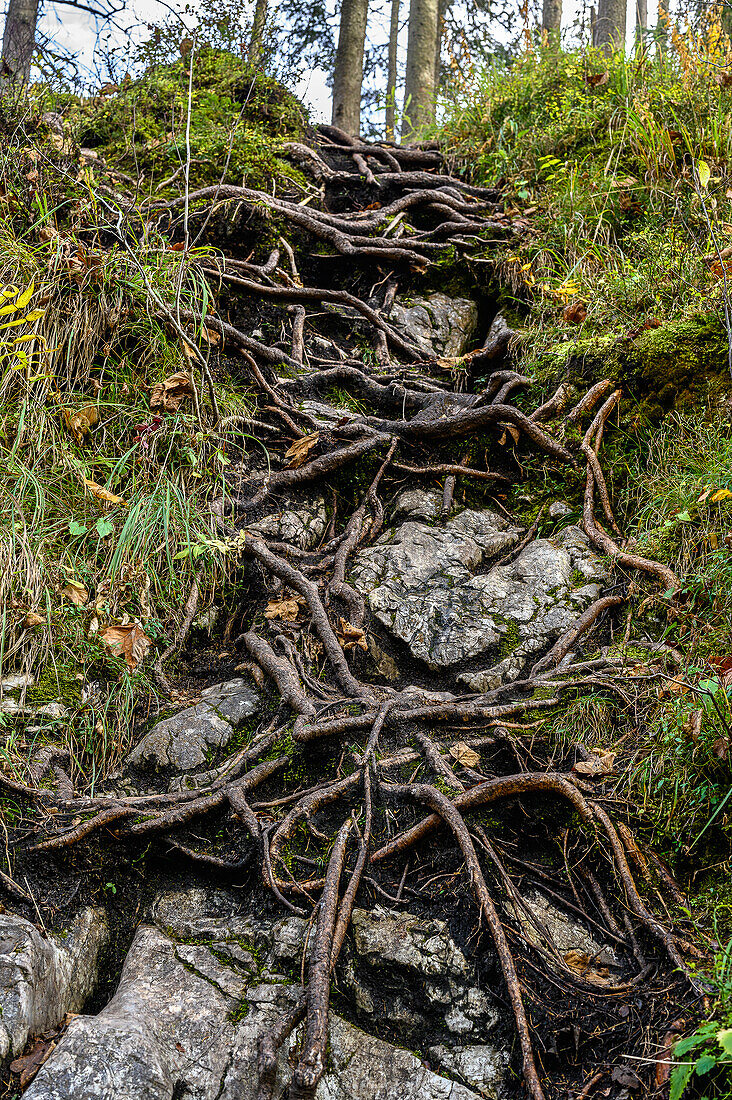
622	164
621	168
104	479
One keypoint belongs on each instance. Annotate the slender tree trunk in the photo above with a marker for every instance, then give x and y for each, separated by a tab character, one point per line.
551	16
419	91
442	6
256	41
391	71
610	25
19	39
348	72
641	25
662	28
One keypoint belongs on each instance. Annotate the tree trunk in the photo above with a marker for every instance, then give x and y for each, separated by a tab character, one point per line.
442	7
391	72
610	25
551	16
348	72
256	41
419	91
19	39
641	25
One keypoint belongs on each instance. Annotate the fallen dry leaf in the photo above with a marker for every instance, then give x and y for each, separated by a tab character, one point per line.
27	1065
80	422
350	636
300	449
169	394
127	640
34	619
512	431
582	965
77	593
287	610
600	763
575	313
101	493
596	80
464	755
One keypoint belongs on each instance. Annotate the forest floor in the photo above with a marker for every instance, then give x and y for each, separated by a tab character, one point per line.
232	360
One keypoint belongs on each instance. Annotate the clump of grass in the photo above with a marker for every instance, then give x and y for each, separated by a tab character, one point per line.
679	508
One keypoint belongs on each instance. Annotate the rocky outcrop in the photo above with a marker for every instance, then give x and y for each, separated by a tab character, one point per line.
193	1000
44	977
187	740
427	586
436	324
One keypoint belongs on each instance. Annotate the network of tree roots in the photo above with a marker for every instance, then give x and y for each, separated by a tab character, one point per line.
335	758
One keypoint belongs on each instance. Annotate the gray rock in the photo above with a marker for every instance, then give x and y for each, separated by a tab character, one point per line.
438	325
483	1067
183	1023
184	742
558	509
234	701
302	525
405	969
565	933
43	978
417	504
423	584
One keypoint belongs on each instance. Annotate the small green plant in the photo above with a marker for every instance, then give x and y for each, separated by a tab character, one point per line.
704	1059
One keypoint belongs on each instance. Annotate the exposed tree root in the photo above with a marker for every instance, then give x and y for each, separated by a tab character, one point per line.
356	812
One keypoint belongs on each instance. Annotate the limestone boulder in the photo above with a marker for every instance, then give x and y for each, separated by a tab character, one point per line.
437	324
434	589
186	741
42	977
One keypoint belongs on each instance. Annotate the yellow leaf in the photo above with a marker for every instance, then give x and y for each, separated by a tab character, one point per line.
704	174
721	494
77	593
103	494
22	301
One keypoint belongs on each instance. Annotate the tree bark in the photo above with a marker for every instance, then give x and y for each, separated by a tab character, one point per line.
442	7
256	40
348	71
551	16
19	39
419	91
610	25
391	71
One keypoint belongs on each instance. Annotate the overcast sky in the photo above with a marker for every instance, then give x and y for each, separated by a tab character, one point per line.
75	31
